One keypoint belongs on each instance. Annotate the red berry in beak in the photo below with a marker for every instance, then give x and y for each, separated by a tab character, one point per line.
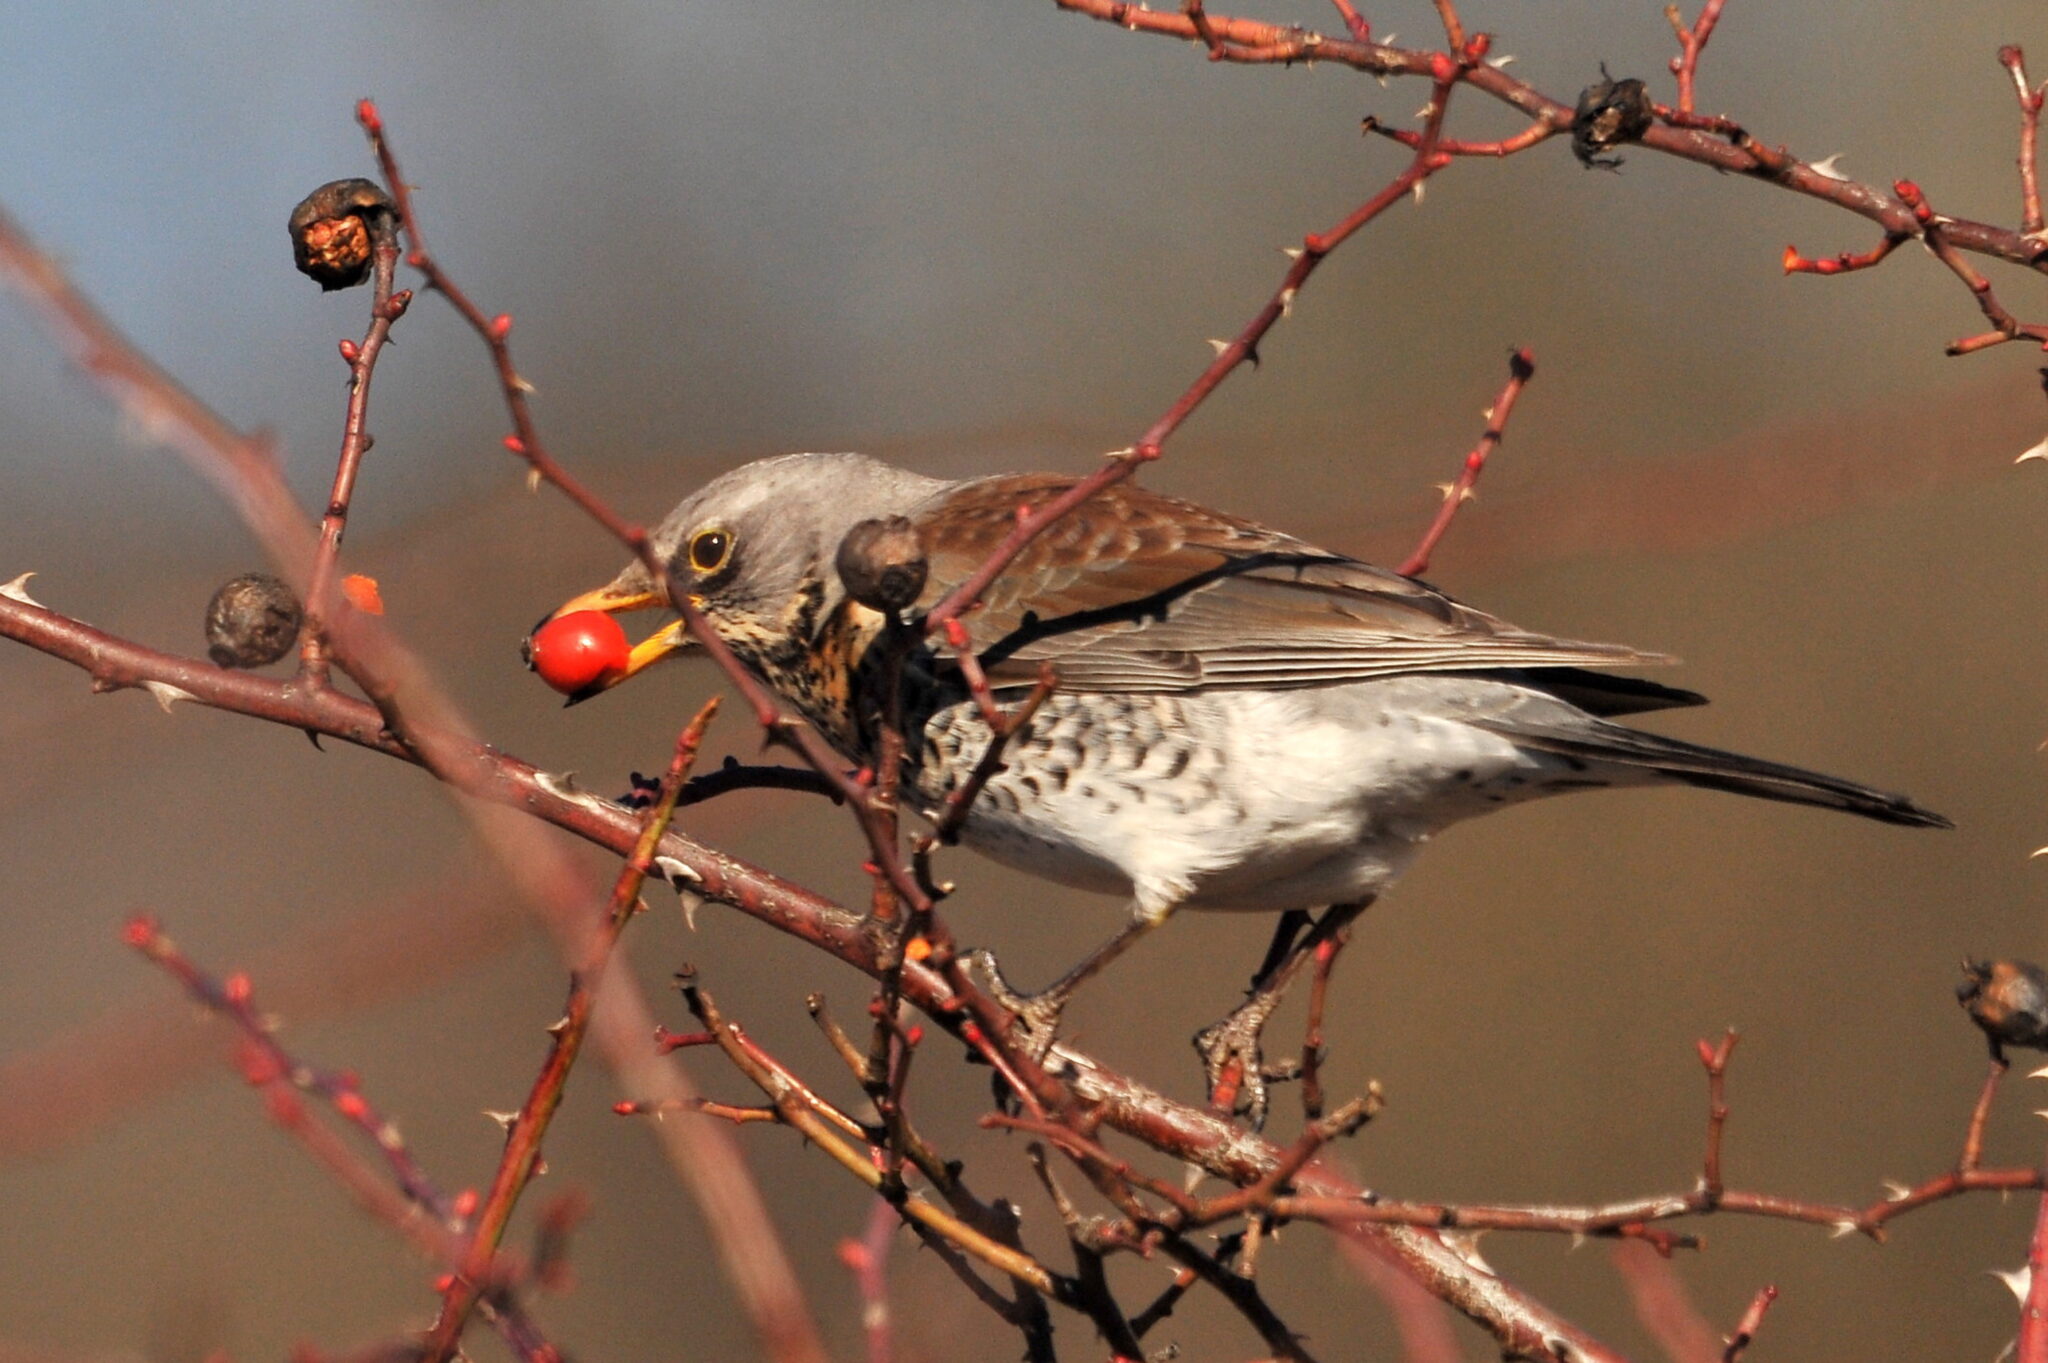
574	651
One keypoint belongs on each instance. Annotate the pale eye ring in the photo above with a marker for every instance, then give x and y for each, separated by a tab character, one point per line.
709	550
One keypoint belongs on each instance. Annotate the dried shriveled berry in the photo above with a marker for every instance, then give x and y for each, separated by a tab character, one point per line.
2009	1000
882	563
335	228
251	621
574	652
1610	113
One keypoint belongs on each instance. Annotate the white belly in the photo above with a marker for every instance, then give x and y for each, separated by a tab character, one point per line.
1244	800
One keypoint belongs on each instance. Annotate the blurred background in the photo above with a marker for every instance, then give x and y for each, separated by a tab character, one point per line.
979	238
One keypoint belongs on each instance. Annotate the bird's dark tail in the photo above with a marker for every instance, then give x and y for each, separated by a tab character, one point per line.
1596	741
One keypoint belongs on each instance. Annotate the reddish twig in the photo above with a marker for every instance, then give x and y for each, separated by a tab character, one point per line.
1752	1321
1312	1047
1515	1319
827	1128
54	1094
737	1114
521	1158
386	307
525	442
959	803
1535	134
1623	1220
1634	1219
266	1063
1196	16
1934	231
1454	28
1353	23
2032	1346
1844	263
1446	72
1719	143
1115	1178
1691	42
2015	63
435	737
1260	1196
1521	367
416	1210
1973	1136
1715	1060
1175	1130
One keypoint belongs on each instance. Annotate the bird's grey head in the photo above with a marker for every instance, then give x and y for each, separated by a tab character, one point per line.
749	543
750	540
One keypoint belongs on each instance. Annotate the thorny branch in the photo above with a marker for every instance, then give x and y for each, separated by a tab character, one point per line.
387	305
1719	143
415	1208
1176	1131
435	736
1521	368
825	1126
525	442
521	1158
1445	72
988	1029
425	1214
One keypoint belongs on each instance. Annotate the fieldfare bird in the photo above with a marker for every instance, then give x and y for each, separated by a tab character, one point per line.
1242	720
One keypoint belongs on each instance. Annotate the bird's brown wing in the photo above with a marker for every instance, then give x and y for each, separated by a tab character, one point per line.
1135	591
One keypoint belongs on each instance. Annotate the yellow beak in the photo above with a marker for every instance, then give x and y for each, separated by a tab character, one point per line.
671	639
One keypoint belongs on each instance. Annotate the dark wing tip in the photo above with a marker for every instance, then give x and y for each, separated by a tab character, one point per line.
1913	816
1606	695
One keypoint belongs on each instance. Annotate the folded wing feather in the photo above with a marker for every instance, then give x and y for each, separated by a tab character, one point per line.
1139	592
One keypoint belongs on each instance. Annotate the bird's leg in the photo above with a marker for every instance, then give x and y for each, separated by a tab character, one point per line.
1231	1054
1232	1068
1039	1014
1285	932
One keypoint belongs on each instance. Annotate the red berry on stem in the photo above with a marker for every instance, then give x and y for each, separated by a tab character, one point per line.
572	651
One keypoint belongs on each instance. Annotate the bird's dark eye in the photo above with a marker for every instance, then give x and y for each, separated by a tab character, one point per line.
708	550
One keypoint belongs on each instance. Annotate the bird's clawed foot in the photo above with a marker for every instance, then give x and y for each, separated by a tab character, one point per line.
1235	1062
1231	1055
1037	1015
